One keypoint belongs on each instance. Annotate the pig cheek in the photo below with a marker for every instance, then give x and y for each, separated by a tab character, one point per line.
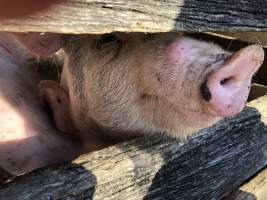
174	59
163	76
170	80
179	122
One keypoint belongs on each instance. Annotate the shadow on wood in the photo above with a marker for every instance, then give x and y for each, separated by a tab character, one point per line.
242	196
71	181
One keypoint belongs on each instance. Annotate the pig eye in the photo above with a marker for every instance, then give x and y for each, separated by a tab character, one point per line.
108	38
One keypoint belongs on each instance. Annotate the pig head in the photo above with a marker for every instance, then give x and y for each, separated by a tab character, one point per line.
115	86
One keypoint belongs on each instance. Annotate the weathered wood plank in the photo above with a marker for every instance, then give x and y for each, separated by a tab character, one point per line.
101	16
255	189
207	166
249	37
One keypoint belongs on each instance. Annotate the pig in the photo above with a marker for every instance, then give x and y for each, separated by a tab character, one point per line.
28	138
117	86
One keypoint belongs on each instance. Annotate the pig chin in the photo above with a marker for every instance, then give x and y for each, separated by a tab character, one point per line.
195	123
190	124
177	121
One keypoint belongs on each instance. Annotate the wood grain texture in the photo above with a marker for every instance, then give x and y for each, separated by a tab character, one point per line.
207	166
255	189
102	16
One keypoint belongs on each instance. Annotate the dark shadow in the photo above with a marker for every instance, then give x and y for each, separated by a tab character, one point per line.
68	180
4	175
241	194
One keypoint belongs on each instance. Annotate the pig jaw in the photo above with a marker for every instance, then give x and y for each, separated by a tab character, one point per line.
177	121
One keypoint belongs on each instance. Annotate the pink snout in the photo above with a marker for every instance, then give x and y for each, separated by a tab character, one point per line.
228	86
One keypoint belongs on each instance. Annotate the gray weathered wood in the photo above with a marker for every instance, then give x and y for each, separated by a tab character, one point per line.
207	166
101	16
255	189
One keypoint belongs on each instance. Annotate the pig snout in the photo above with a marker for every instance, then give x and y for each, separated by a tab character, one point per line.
227	88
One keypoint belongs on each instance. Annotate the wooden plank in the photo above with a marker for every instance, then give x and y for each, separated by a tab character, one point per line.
207	166
101	16
248	37
255	189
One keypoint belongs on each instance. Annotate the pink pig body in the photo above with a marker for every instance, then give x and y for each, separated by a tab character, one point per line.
28	139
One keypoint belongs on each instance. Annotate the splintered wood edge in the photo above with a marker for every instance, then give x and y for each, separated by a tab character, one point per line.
86	16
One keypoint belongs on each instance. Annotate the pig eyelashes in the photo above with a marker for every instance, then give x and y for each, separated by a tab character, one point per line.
109	46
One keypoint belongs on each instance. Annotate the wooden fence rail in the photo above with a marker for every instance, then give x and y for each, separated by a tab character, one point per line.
101	16
208	166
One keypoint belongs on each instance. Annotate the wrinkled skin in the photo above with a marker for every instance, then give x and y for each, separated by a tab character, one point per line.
121	85
28	139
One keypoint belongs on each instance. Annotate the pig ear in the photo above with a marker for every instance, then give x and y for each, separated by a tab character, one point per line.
55	96
43	44
228	86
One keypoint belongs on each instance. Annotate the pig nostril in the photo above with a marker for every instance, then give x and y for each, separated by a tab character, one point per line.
224	81
205	92
227	80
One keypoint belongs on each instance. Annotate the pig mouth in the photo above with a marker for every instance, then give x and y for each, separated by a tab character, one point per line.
177	108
